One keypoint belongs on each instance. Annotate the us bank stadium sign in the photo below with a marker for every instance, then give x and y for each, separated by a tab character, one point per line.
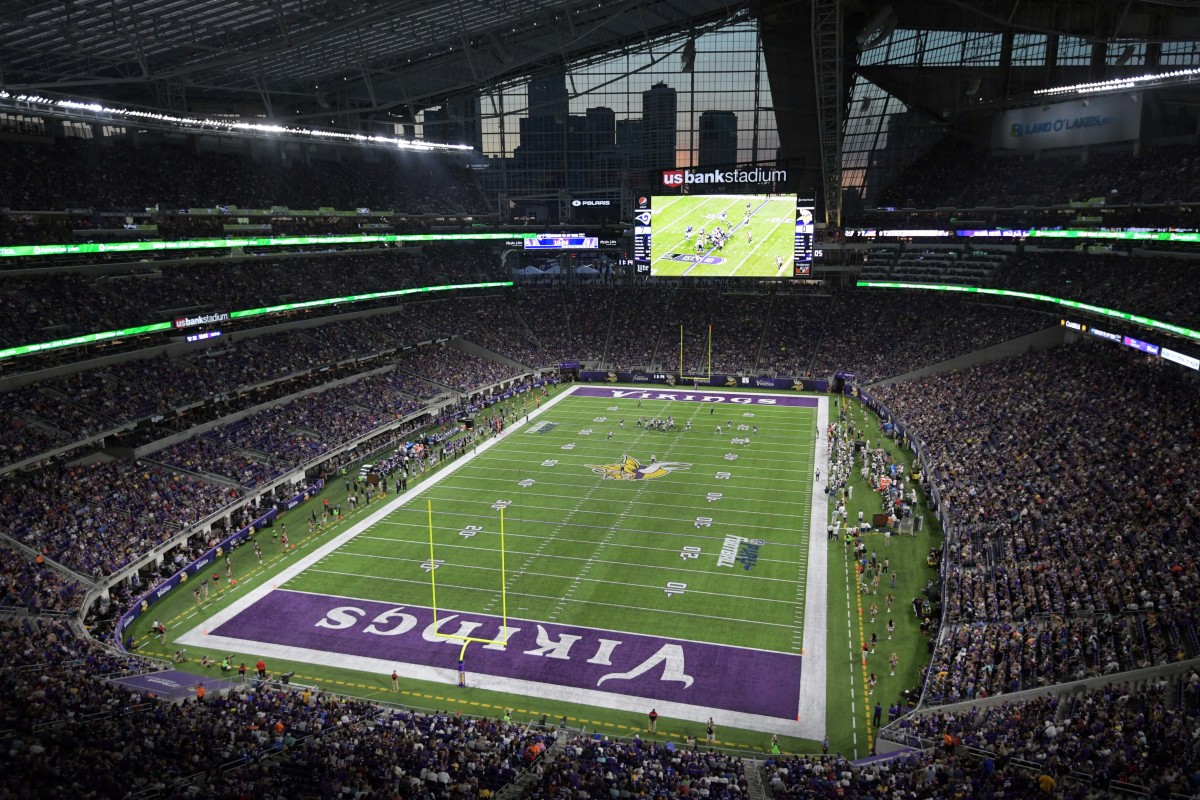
674	178
201	319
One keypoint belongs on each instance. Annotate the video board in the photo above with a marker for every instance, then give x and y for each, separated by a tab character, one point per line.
723	235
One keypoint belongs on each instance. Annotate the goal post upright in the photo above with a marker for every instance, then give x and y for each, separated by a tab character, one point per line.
502	640
432	563
503	585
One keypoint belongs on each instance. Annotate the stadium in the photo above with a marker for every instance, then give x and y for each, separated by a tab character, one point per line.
787	399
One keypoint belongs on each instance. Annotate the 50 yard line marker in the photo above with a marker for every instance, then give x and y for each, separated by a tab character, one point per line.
466	640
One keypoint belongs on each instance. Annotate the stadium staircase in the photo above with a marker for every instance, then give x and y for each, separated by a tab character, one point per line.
528	779
772	310
755	789
612	315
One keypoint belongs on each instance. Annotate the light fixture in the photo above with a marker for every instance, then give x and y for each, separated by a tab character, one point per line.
878	28
689	55
1117	84
231	125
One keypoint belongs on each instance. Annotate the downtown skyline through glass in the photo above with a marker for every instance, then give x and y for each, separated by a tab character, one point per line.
611	122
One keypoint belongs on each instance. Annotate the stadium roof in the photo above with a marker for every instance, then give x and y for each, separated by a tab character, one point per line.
291	59
296	58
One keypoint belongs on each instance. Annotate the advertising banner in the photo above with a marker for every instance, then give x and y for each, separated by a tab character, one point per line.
143	603
724	381
1093	120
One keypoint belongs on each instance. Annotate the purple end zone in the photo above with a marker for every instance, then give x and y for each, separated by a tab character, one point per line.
696	396
658	669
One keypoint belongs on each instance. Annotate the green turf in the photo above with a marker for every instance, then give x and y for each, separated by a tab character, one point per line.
846	720
584	550
848	717
772	225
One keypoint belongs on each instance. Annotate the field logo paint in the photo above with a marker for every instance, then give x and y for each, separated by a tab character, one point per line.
748	553
539	654
729	550
542	426
642	394
630	469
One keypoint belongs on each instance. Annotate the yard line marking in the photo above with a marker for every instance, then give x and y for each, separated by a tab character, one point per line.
580	576
682	522
624	606
739	574
616	485
693	534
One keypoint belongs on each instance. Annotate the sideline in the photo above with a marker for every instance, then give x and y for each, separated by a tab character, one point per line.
197	636
814	674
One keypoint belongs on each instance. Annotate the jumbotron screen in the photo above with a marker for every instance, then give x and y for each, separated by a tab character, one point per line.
743	235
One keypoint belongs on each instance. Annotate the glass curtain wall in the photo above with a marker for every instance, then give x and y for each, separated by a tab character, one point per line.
612	122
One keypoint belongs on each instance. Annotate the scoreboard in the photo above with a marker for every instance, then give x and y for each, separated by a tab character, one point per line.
641	236
562	241
802	257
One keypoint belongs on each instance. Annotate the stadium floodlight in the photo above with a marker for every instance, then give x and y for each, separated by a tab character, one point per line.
1171	78
878	29
688	58
68	106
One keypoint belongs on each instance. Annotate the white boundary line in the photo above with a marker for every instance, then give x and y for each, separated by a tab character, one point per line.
810	725
813	673
250	598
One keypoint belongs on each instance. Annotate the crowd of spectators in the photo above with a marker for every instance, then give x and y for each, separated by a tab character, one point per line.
796	325
1143	736
76	226
1160	287
597	767
30	584
59	411
76	733
878	334
203	456
115	176
1068	477
638	320
96	517
32	307
955	173
932	774
803	334
721	328
456	369
73	733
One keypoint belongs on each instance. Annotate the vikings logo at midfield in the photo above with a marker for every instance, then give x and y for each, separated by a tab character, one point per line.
630	469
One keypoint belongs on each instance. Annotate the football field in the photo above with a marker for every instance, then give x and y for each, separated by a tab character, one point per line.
760	245
580	556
